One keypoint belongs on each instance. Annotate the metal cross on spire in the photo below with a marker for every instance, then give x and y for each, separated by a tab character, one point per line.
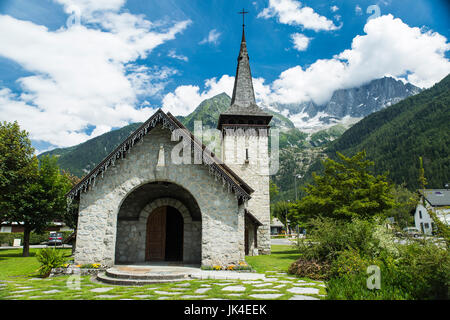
243	12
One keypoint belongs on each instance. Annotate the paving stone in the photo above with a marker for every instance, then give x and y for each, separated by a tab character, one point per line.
183	285
301	297
106	296
143	296
265	290
222	284
284	281
163	298
206	285
179	289
234	294
303	290
23	291
251	282
234	288
101	290
263	285
202	290
279	286
322	285
266	295
192	297
165	292
305	284
34	297
51	291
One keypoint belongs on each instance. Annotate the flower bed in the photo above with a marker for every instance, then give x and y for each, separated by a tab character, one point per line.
241	266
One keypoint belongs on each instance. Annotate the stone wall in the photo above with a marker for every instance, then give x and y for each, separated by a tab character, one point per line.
222	219
255	172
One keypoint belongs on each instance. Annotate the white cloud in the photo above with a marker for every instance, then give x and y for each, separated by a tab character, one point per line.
186	98
300	41
85	75
358	10
389	47
334	8
173	54
213	37
291	12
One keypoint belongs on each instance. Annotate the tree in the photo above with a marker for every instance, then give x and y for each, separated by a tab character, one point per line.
18	168
43	201
32	194
346	190
70	216
405	202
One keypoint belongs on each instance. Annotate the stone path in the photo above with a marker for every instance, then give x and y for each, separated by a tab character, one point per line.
234	285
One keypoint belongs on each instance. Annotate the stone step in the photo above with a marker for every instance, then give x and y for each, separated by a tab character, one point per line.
103	277
113	273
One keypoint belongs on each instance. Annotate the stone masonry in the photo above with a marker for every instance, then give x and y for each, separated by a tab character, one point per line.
222	218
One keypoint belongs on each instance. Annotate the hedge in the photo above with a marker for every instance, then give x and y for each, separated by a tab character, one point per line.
8	238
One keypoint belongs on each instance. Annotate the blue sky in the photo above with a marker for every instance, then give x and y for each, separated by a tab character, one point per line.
67	83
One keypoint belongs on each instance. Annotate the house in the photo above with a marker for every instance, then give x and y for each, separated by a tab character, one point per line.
13	227
276	226
437	200
161	195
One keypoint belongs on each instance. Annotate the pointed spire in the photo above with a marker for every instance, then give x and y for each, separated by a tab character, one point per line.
243	109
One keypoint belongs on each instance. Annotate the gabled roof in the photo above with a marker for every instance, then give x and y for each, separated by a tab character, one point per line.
220	170
437	197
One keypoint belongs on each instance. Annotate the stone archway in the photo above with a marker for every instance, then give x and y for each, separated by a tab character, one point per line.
179	230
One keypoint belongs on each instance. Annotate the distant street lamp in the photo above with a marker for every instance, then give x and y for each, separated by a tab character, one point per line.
299	176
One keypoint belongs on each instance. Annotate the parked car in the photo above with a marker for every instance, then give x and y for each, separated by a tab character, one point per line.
55	239
411	232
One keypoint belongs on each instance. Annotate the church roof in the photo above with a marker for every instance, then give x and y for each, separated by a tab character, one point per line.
220	170
243	100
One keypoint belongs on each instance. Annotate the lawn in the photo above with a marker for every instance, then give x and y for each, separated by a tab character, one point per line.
279	260
19	280
12	264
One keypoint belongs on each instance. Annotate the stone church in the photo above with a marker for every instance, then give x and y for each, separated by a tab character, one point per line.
139	205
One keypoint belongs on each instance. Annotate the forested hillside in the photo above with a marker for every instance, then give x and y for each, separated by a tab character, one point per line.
395	138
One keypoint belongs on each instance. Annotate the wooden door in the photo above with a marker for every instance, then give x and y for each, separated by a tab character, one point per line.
156	235
247	249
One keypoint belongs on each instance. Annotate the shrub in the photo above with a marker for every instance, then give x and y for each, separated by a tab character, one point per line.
35	238
50	258
328	238
354	287
349	262
310	268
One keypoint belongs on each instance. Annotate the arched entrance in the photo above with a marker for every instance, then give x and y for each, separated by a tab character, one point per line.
164	237
159	221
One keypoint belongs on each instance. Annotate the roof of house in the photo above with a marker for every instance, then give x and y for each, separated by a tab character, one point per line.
437	197
235	183
276	223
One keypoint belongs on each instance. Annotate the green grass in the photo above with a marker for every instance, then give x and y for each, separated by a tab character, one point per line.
279	260
19	280
12	264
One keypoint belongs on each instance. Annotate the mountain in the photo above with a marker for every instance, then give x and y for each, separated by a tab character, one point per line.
395	137
209	110
347	106
81	159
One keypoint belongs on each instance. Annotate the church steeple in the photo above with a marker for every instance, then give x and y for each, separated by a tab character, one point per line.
243	93
243	108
